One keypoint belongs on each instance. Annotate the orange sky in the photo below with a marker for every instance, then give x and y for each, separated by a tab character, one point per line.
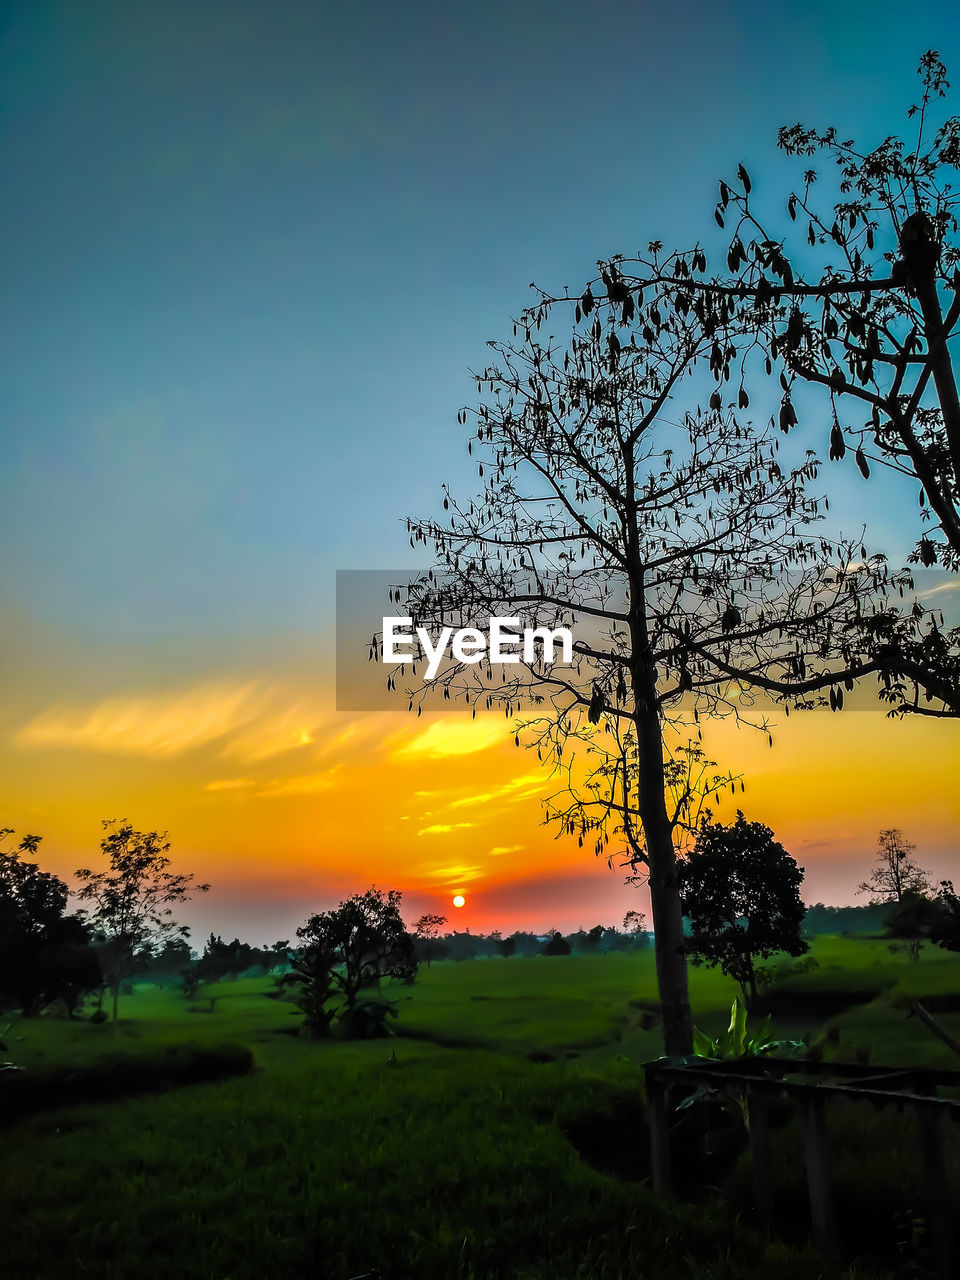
286	805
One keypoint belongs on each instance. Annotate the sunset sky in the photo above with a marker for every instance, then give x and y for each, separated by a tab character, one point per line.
250	253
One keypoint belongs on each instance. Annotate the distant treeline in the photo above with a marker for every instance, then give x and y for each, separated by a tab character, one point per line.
867	919
475	946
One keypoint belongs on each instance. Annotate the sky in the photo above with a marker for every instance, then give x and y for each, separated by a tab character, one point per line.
250	253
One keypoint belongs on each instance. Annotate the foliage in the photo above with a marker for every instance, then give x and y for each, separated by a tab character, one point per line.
131	911
737	1043
851	300
896	873
348	950
684	555
913	919
427	931
741	1041
557	945
946	932
44	954
741	892
368	1019
311	974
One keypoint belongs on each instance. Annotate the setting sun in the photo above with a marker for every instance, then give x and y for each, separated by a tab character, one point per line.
459	900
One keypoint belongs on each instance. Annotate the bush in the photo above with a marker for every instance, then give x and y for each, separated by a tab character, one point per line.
117	1076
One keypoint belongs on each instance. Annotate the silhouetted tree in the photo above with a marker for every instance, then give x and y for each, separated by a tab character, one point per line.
557	945
895	874
913	919
427	930
507	946
946	932
856	297
131	901
678	550
634	922
741	892
311	972
364	939
45	954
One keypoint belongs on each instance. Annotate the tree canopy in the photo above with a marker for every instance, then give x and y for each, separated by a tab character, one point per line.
741	892
851	299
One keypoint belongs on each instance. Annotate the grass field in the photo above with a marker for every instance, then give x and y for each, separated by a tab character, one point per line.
442	1153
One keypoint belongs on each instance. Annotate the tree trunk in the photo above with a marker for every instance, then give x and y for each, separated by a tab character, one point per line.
921	257
671	955
116	999
751	1001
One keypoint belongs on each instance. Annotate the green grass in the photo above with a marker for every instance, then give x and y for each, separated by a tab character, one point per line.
408	1155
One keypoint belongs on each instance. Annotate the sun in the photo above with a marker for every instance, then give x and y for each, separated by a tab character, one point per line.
459	900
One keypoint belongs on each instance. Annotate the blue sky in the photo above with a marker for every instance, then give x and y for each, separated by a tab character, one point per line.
251	250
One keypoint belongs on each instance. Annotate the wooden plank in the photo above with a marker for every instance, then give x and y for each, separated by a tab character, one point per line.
818	1177
658	1120
759	1126
936	1192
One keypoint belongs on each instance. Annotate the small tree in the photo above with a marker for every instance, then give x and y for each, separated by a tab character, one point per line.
557	946
741	892
912	920
427	930
634	923
312	973
361	942
131	901
896	874
946	933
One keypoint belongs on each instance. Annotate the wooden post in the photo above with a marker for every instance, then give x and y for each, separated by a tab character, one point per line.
936	1189
659	1122
818	1178
759	1126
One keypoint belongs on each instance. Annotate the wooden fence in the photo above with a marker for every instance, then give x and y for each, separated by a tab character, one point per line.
913	1090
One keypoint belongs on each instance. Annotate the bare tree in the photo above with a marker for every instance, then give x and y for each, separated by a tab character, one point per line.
895	873
680	551
857	298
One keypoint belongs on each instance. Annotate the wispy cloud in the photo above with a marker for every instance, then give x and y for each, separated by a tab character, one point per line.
457	874
228	784
305	784
451	737
952	585
440	828
516	789
500	849
157	725
296	727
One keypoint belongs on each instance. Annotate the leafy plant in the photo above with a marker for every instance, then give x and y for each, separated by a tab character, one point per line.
7	1066
738	1043
367	1020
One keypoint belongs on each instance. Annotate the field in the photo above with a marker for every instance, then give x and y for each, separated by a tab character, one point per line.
500	1134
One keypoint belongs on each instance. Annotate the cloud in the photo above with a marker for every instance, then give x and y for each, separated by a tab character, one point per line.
449	737
158	725
296	727
952	585
457	874
516	789
228	784
501	849
306	784
439	828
